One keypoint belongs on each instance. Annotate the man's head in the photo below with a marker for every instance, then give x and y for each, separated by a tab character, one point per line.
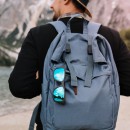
61	7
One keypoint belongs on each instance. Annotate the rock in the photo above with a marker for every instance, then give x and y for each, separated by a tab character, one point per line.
16	19
112	13
20	16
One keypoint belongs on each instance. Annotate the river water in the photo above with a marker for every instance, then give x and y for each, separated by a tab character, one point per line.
8	103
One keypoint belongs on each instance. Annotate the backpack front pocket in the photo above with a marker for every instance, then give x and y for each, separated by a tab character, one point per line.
91	108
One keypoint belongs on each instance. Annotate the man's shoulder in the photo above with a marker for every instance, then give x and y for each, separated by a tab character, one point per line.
108	31
110	34
43	30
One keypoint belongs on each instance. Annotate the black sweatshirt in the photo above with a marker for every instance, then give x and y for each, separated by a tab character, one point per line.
23	82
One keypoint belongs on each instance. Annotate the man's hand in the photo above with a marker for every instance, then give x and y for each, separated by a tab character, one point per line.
37	75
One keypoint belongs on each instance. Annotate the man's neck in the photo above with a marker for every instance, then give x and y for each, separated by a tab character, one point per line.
71	14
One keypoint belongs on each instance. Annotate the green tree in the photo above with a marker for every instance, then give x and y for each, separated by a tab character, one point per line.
125	35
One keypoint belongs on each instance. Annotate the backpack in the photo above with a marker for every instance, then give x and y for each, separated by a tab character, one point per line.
80	89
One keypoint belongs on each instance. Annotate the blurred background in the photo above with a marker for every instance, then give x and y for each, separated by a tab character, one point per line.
16	19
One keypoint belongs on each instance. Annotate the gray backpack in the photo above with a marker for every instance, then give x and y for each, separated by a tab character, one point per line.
80	89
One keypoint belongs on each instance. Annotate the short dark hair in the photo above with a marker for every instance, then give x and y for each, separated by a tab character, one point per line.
79	6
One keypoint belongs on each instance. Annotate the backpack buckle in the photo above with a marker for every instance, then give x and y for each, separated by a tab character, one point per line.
89	50
68	49
75	90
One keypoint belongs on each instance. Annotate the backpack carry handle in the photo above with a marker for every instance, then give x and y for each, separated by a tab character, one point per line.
85	23
73	16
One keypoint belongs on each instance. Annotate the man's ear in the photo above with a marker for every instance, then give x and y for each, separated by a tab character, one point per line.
66	2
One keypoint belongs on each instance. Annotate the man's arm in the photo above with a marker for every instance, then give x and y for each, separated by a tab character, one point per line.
121	56
123	66
22	81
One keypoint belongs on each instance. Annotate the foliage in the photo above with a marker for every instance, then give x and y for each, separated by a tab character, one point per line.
4	61
125	35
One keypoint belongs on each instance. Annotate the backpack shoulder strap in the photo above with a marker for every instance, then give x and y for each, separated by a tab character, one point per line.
34	115
93	27
58	25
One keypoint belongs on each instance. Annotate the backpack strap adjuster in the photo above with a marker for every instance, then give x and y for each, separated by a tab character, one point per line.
89	50
68	49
